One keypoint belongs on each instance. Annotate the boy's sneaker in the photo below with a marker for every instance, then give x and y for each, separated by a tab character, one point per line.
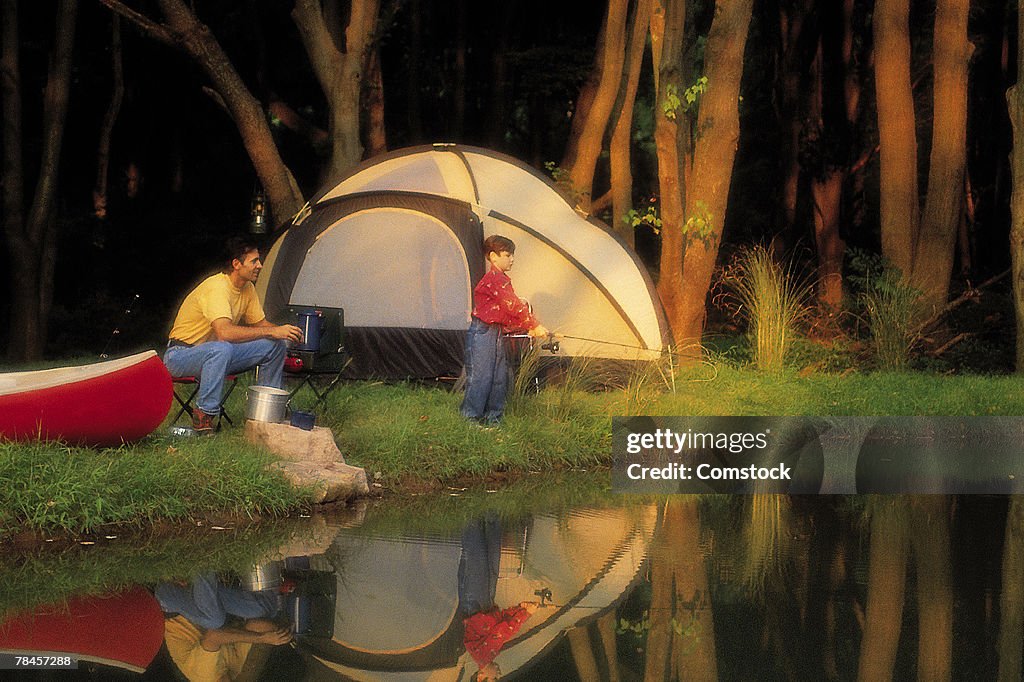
202	423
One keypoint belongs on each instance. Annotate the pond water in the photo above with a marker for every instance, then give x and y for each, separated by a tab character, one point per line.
525	585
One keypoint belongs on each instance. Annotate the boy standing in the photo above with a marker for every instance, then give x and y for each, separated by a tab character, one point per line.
496	308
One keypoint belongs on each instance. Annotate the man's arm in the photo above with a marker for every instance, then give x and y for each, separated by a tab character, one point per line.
212	640
225	330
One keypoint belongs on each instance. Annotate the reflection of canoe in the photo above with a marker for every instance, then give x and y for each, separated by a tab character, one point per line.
398	615
123	630
102	404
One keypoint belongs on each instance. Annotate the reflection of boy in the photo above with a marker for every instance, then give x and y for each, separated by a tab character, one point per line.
495	308
487	628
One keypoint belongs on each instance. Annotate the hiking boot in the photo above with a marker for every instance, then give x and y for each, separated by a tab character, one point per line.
202	423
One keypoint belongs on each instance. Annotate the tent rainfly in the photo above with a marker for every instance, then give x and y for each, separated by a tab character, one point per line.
398	245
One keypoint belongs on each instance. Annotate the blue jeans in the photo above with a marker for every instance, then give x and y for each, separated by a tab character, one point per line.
486	373
207	604
210	362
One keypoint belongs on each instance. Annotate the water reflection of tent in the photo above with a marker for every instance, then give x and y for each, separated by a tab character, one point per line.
398	612
398	245
124	630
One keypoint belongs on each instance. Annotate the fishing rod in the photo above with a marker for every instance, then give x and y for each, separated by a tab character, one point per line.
117	328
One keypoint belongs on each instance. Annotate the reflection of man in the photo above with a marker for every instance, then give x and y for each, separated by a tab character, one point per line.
487	628
202	641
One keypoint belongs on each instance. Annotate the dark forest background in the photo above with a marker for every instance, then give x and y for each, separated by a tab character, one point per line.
506	76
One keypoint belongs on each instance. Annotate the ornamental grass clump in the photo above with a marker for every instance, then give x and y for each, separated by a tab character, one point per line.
894	311
773	302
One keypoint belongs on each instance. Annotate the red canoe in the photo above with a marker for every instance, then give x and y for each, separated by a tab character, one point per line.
103	404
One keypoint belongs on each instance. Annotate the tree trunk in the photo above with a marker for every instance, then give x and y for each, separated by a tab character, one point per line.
412	88
693	660
199	42
587	136
373	96
622	134
340	74
1015	105
718	123
933	255
31	239
887	574
668	19
99	194
459	122
1011	601
898	200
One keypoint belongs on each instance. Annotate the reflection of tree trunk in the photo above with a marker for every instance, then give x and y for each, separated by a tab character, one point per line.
887	568
583	653
930	539
718	131
621	171
680	598
590	124
1011	604
694	655
31	234
659	637
606	630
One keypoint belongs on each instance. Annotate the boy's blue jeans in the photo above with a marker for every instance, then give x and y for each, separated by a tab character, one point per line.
486	373
210	362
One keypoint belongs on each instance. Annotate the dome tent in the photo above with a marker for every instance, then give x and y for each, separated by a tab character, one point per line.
398	245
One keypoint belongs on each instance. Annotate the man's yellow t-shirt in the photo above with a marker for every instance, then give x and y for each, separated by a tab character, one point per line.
196	663
215	297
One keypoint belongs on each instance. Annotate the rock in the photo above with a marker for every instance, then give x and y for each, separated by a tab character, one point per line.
330	482
293	443
313	460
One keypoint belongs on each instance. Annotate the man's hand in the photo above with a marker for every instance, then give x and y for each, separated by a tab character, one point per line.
286	332
275	637
538	331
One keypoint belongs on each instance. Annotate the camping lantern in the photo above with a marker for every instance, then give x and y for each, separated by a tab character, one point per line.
258	223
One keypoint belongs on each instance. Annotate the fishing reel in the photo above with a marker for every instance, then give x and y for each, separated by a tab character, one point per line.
552	344
544	594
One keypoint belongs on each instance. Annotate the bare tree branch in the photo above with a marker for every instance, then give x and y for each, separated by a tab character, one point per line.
154	29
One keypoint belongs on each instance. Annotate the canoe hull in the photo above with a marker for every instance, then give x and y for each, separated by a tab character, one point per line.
116	407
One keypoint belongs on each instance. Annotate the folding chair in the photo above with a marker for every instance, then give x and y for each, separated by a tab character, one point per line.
190	387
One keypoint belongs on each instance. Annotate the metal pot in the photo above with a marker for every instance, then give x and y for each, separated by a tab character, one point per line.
266	404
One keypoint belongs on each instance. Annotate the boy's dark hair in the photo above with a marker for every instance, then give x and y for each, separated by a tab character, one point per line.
497	244
236	247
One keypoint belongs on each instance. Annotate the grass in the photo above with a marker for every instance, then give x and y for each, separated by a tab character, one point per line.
773	303
49	486
408	433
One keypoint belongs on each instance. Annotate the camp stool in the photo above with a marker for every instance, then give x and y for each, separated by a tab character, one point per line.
190	387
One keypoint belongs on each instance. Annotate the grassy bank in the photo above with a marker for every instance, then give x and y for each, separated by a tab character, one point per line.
406	435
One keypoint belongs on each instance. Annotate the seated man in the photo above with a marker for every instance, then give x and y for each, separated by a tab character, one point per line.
220	329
